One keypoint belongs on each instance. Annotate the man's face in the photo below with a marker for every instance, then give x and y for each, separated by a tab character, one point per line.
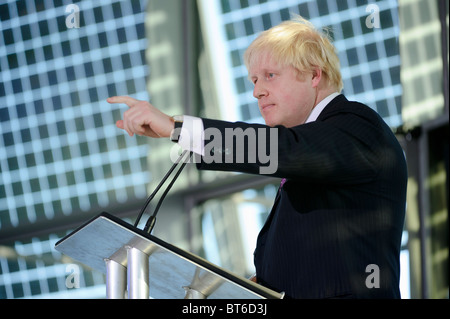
284	97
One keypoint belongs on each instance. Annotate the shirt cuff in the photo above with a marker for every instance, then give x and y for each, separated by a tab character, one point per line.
191	135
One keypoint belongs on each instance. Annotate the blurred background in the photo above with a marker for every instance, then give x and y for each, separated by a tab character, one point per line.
63	161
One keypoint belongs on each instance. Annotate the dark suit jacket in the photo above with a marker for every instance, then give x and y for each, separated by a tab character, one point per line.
336	224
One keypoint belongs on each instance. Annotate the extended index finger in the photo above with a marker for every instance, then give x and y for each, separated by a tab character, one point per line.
128	100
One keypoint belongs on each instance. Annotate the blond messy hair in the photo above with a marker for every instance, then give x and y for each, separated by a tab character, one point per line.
299	44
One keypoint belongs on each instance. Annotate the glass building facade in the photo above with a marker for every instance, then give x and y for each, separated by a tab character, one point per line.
61	156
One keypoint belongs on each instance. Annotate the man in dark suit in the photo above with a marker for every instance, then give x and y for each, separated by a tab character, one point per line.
335	227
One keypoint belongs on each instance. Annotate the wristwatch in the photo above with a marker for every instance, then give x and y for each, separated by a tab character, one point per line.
175	134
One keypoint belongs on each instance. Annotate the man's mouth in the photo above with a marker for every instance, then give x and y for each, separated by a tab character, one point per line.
266	106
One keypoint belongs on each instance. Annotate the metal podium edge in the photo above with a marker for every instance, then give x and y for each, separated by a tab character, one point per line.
243	282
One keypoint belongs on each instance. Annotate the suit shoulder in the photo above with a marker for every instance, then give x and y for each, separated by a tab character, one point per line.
341	106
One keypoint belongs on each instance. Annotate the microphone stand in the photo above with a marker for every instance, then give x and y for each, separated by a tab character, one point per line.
152	219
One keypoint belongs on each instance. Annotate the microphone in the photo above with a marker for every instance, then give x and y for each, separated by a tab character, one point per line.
152	219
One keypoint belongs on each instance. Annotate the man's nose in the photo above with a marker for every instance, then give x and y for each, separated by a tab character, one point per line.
259	91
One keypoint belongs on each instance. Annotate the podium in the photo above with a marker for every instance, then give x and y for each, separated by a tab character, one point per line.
140	266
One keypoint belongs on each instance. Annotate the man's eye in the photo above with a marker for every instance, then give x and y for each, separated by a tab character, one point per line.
271	75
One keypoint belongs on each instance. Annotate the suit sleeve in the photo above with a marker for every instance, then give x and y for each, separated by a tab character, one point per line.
341	149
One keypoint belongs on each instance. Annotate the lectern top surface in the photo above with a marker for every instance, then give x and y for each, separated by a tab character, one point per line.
172	271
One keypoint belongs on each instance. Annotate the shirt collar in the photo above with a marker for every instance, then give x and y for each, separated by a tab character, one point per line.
319	107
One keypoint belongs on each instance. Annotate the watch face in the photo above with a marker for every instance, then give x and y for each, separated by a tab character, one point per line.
175	135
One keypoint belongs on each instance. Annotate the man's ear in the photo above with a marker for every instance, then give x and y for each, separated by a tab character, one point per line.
316	77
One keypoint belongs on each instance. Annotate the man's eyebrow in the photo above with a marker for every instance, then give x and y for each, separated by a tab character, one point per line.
263	71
